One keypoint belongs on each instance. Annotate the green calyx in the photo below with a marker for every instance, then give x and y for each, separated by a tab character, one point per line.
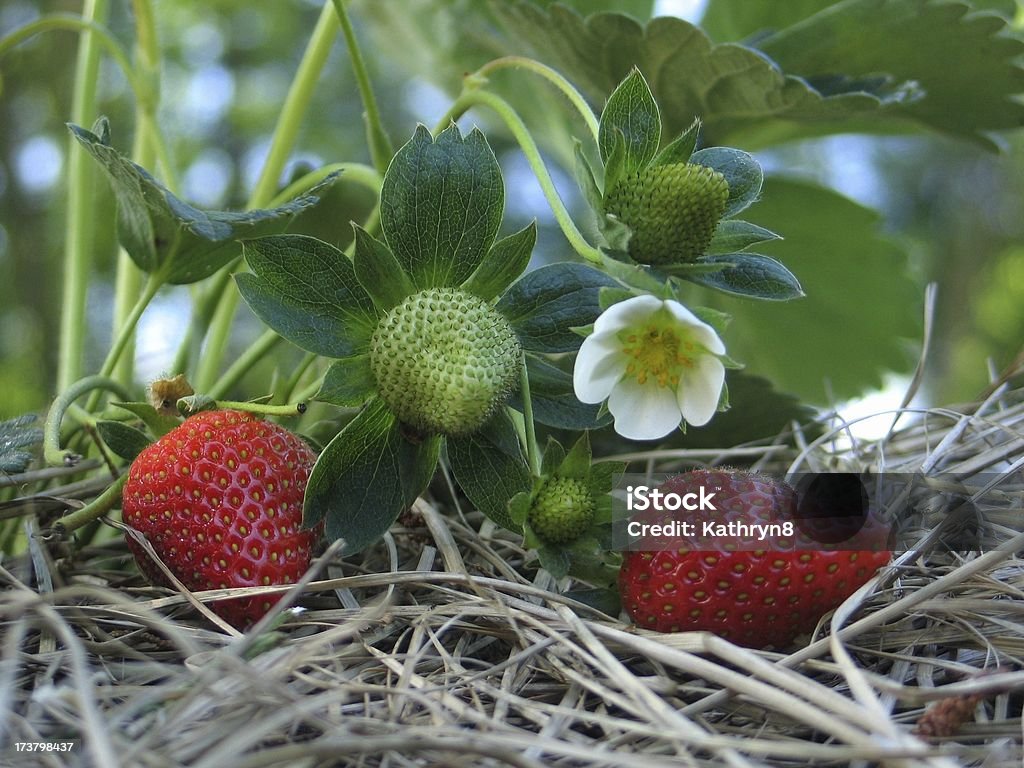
562	510
672	211
444	360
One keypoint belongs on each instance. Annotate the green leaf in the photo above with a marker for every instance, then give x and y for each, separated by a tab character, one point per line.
554	402
544	305
680	150
127	442
349	382
735	90
554	560
307	291
734	235
631	111
489	466
861	316
158	424
441	206
366	477
967	64
576	463
741	171
606	599
379	272
504	262
554	455
519	510
15	435
751	275
726	20
585	178
616	166
167	236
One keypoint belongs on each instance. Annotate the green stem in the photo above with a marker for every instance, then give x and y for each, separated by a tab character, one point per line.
286	131
129	281
295	106
89	29
381	150
52	452
127	330
567	88
361	174
95	509
252	355
532	449
193	404
140	86
288	387
78	230
515	124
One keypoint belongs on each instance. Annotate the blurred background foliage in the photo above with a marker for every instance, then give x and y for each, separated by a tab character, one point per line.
886	127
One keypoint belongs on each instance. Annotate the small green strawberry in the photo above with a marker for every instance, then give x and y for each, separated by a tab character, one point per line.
220	500
757	598
444	360
562	510
672	210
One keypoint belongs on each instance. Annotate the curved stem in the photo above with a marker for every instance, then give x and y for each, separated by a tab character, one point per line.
78	229
381	150
361	174
89	29
567	88
96	508
515	124
52	452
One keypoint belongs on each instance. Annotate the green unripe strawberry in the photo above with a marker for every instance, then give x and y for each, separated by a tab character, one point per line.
672	210
444	360
562	510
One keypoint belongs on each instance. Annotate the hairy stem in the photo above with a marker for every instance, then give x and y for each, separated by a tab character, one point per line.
510	117
567	88
381	150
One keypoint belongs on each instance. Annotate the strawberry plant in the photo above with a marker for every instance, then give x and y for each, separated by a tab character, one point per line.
450	272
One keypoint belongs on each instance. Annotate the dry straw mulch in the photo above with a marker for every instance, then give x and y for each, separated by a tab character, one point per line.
446	647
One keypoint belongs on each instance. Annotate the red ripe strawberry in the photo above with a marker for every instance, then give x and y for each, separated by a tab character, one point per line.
220	499
753	597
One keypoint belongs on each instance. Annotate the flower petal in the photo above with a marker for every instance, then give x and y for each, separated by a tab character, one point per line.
599	367
704	333
700	390
627	313
643	411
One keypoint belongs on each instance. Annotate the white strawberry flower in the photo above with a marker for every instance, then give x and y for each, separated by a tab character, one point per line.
656	363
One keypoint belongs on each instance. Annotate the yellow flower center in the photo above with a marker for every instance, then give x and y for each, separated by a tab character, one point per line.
658	353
